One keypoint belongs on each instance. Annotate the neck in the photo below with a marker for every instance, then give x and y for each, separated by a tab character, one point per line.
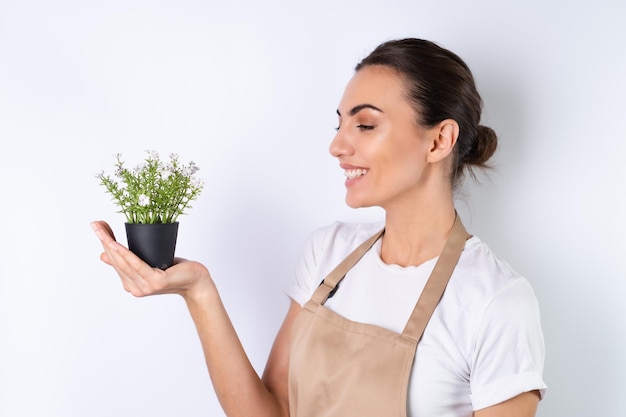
417	232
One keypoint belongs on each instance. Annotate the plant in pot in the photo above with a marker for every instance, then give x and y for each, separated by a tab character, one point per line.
152	196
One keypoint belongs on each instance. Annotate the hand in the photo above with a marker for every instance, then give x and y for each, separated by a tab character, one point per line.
186	278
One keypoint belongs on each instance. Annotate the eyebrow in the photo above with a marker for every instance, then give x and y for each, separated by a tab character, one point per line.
360	107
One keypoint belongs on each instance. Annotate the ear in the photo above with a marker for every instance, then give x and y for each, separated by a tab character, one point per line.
445	135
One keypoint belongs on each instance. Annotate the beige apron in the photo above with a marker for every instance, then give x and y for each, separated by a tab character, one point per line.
341	368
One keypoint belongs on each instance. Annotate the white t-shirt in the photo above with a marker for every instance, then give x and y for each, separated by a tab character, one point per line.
483	344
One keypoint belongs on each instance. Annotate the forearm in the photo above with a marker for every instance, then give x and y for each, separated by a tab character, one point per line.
237	385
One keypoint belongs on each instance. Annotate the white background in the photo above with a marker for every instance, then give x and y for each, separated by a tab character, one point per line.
248	90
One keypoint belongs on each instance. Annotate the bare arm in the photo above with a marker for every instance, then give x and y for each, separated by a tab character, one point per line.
238	387
276	371
523	405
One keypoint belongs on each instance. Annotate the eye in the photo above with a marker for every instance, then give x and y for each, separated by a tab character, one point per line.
365	127
338	124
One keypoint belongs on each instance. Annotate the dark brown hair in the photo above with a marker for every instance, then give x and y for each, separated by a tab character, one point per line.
440	86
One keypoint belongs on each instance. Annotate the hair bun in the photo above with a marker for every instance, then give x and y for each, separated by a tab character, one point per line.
483	147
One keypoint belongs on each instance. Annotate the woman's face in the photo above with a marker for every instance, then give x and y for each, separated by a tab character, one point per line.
379	143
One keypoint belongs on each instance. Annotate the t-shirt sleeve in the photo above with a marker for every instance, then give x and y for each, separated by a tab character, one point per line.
509	353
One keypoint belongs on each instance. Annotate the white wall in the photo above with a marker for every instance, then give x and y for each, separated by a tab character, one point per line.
248	91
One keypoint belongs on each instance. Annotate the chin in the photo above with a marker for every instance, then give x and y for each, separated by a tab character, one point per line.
356	203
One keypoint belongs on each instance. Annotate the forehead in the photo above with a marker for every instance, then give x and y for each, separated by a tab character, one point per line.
380	86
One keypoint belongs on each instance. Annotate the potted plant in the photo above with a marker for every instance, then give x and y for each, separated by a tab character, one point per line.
152	196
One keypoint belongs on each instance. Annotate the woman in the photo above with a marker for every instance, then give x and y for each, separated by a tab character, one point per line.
377	337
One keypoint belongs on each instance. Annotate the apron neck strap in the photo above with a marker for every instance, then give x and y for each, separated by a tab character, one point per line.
437	282
433	290
328	286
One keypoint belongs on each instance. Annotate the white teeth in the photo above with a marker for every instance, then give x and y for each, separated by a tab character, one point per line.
353	173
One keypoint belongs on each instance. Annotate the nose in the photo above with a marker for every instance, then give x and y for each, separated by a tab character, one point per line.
340	146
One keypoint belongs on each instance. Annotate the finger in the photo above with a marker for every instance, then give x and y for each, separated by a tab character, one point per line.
108	229
132	281
105	258
111	247
127	276
105	235
138	277
103	232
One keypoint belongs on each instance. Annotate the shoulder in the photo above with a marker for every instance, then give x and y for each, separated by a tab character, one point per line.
324	248
485	275
489	293
495	298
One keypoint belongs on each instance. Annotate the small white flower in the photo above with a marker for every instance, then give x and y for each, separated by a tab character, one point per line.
144	200
152	154
140	167
100	174
174	156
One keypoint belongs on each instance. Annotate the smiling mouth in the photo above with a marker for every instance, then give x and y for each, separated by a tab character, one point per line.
354	173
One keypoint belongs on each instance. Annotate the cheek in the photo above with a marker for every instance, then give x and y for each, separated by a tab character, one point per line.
405	164
406	151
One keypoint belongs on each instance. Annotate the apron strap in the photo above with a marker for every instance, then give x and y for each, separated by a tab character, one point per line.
329	285
436	284
433	290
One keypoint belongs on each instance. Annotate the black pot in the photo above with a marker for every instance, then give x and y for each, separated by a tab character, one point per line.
153	243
